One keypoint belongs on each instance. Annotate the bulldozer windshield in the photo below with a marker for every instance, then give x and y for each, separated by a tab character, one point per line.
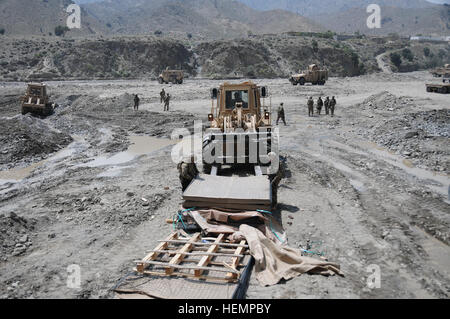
35	91
233	97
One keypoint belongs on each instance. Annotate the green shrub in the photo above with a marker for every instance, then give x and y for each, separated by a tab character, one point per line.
407	54
426	51
396	59
2	31
61	30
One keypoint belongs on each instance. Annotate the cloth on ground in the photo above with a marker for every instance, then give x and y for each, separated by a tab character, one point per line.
218	222
276	262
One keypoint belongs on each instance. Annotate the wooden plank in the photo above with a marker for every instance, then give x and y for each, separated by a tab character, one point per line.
177	266
206	259
153	255
203	244
206	254
235	261
187	275
179	257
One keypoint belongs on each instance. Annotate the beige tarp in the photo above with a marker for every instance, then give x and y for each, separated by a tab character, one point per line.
275	262
273	259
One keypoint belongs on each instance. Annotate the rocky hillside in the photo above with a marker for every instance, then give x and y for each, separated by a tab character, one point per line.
258	56
41	17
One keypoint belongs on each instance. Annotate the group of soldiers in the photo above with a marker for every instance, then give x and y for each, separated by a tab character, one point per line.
330	106
165	98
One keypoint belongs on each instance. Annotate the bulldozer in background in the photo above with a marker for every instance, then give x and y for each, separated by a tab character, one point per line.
36	100
313	75
171	76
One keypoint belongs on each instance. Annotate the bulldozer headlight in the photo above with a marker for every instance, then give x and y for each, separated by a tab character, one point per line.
267	115
210	117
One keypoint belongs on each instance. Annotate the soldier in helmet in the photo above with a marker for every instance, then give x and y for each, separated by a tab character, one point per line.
332	106
136	102
162	95
319	105
327	105
167	102
281	114
310	106
188	171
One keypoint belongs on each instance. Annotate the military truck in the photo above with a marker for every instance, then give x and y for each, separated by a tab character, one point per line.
171	76
240	127
442	72
36	100
313	75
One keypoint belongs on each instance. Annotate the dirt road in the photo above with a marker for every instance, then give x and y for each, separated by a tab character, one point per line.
367	188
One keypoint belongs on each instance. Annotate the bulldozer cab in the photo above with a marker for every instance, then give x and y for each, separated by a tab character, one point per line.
37	93
239	106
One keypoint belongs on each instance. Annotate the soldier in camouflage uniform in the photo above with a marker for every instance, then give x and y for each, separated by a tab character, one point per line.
332	106
327	105
319	105
310	106
188	171
162	95
281	114
167	102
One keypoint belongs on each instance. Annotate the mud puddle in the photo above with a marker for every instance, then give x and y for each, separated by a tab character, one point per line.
140	145
16	175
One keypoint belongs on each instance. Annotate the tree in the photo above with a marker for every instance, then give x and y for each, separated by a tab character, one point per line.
426	51
2	31
396	59
158	32
315	46
61	30
407	54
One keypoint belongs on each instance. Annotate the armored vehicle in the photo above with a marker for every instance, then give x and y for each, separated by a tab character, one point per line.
171	76
313	75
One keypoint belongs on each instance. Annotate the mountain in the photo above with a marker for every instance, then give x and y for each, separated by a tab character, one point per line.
407	22
406	17
41	17
312	8
210	18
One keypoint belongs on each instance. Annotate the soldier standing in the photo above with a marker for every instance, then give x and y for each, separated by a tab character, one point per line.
136	102
162	94
327	105
281	114
188	171
332	105
310	106
319	105
167	102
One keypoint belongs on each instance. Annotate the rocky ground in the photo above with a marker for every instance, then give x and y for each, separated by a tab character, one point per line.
369	187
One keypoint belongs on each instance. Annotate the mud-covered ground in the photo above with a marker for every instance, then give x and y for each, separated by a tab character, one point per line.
368	188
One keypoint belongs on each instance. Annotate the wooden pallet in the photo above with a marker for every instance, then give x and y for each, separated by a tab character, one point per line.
217	260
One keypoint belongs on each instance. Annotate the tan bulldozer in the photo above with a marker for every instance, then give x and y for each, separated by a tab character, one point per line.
36	100
313	75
